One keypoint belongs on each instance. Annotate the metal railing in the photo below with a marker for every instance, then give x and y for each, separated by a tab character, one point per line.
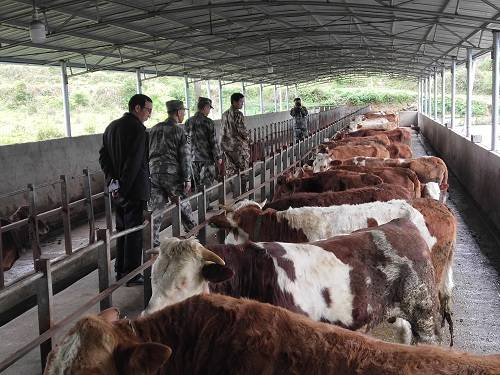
42	281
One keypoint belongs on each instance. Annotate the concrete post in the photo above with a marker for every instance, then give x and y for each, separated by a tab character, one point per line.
435	95
209	94
261	98
186	94
280	96
287	99
495	84
470	85
65	94
453	91
419	107
429	105
244	94
138	89
424	95
221	102
443	95
275	98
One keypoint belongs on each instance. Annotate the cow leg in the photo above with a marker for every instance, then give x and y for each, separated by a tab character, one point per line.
404	330
445	298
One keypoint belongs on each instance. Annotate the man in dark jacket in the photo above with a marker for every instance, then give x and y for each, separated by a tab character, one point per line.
124	161
299	113
170	167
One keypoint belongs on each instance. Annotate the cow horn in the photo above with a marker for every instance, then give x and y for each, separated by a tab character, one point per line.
225	207
263	203
153	251
211	256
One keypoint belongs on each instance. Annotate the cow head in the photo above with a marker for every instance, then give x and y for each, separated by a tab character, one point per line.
94	346
230	220
321	163
183	269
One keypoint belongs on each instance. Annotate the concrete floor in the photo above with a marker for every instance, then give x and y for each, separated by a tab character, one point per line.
476	295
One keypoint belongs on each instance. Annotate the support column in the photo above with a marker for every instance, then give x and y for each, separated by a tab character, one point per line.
429	105
65	94
221	101
244	94
443	96
186	94
138	89
287	99
495	83
280	98
424	95
275	98
296	91
419	97
209	93
435	95
470	85
453	91
261	98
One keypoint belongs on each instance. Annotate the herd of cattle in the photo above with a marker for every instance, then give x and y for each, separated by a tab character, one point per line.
359	237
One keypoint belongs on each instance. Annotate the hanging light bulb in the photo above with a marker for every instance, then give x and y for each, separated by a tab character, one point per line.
38	33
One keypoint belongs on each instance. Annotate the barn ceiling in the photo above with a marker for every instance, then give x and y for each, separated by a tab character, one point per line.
302	40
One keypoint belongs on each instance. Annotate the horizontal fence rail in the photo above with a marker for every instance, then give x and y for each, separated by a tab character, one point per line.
278	153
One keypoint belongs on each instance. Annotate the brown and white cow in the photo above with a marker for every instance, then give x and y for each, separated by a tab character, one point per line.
436	223
382	193
347	151
215	334
431	171
335	180
356	281
377	138
399	135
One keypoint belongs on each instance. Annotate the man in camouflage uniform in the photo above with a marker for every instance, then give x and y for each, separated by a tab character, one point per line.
204	148
299	113
170	165
235	140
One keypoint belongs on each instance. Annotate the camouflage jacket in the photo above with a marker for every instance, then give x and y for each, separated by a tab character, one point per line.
234	134
168	150
299	112
202	139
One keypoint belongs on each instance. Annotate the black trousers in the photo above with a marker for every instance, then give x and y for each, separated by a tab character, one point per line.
129	247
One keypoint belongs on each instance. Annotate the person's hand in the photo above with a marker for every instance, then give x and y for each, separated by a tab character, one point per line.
187	186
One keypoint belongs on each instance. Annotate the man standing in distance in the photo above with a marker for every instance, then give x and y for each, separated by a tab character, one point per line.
170	166
124	160
204	148
235	141
299	113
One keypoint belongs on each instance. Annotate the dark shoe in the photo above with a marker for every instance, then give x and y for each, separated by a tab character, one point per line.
137	280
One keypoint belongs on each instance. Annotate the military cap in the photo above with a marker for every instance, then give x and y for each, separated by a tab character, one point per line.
296	99
202	102
175	105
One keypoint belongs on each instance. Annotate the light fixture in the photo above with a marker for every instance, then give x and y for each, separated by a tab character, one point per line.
270	69
38	33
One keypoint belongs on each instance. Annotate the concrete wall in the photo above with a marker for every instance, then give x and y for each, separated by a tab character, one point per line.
477	168
408	118
43	162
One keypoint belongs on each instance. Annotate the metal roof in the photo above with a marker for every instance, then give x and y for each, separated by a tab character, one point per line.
238	40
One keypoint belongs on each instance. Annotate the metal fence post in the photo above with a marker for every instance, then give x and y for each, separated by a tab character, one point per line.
236	185
272	173
2	278
202	215
33	225
251	182
66	216
176	218
147	243
284	155
104	266
263	179
108	211
89	204
221	235
45	303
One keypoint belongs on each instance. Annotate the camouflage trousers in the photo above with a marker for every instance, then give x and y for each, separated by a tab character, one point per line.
163	188
300	129
204	173
235	161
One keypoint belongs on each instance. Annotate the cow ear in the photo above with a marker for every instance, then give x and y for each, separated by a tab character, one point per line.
110	315
145	358
216	273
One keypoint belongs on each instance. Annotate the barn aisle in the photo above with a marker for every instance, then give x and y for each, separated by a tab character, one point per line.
476	270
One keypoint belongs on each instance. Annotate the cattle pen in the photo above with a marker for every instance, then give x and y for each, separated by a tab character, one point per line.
67	272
